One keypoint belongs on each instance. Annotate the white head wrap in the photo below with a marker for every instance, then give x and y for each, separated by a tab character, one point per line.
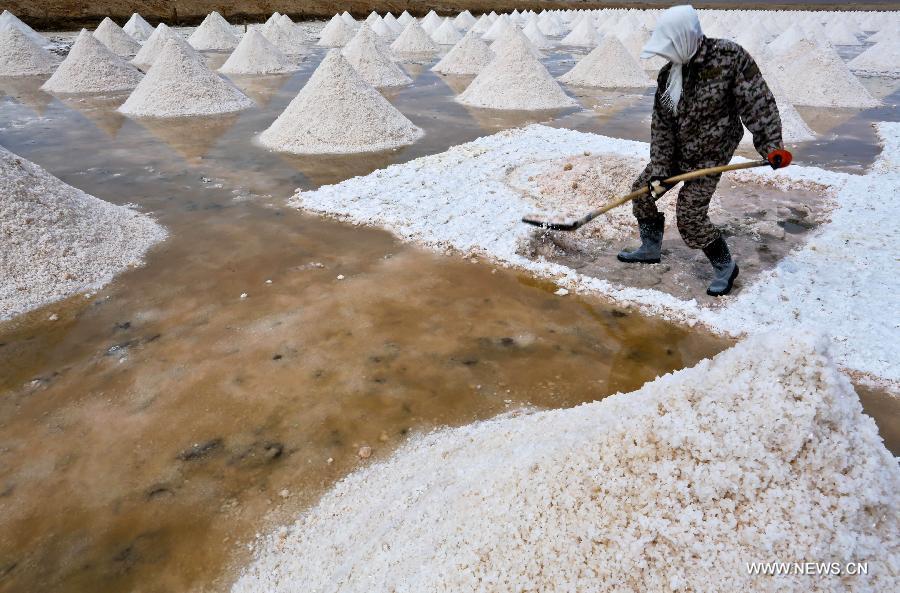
675	38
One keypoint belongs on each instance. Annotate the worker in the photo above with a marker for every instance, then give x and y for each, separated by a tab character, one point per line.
704	92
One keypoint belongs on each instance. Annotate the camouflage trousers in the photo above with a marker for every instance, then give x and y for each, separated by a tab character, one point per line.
691	208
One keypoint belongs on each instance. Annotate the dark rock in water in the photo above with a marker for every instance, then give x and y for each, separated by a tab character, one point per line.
158	491
200	450
277	357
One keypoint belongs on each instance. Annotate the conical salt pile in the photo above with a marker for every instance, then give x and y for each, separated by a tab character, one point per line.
8	19
839	34
256	55
213	35
467	57
431	22
608	65
882	59
155	44
535	36
138	28
446	34
21	56
464	21
336	33
787	39
393	23
515	80
382	29
348	18
91	68
115	39
405	18
507	36
272	18
551	25
813	74
286	36
583	35
180	84
482	25
793	128
373	16
413	40
365	54
497	28
338	112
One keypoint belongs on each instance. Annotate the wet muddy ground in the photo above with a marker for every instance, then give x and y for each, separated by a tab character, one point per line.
159	424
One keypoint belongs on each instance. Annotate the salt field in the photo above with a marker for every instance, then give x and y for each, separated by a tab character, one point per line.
269	320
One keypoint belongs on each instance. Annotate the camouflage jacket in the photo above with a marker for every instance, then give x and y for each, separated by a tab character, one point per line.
722	87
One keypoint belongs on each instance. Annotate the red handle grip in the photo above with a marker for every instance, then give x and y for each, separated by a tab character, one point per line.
780	158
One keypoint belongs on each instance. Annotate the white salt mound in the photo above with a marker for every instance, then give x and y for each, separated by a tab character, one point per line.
212	35
510	34
583	35
336	33
431	22
56	241
446	34
882	59
535	36
180	84
8	19
337	112
21	56
138	28
405	18
497	28
116	39
365	54
762	452
382	29
155	44
813	74
285	35
413	40
515	80
464	21
608	65
256	55
348	18
469	56
92	68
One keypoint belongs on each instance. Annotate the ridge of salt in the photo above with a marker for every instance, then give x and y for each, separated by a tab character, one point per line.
21	56
467	57
337	112
336	33
813	74
257	55
212	35
882	59
138	28
446	34
8	19
839	34
116	39
365	53
92	68
413	40
608	65
180	84
155	44
482	25
392	22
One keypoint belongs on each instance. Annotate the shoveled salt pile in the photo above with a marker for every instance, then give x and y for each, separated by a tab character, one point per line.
256	55
155	44
180	84
115	39
535	36
508	35
814	74
464	21
515	80
8	19
56	241
431	22
446	34
21	56
469	56
336	33
413	40
372	62
138	28
285	35
882	59
608	65
583	35
213	34
337	112
762	453
91	68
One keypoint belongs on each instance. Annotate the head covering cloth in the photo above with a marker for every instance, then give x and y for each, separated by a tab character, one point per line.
676	38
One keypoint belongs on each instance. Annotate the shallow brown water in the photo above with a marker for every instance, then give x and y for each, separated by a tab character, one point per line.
160	424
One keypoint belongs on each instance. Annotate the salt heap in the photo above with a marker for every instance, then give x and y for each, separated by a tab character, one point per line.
91	68
762	452
336	33
405	18
469	56
213	34
367	57
393	23
256	55
285	35
608	65
464	21
273	18
181	84
348	18
446	34
551	25
583	35
507	36
56	241
813	74
431	22
839	33
515	80
138	28
413	40
882	59
21	56
482	25
498	28
155	44
115	39
8	19
535	36
382	29
793	128
337	112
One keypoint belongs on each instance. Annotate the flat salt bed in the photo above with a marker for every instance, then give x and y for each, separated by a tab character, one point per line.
459	200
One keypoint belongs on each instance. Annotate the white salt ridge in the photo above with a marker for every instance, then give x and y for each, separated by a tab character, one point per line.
116	39
8	19
413	40
56	241
882	59
92	68
155	44
690	478
336	33
608	65
256	55
372	62
286	36
815	75
535	36
392	22
469	56
446	34
213	35
180	84
515	80
21	56
373	16
138	28
337	112
583	35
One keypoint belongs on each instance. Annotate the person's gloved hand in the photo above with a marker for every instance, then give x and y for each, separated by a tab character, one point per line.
656	186
779	158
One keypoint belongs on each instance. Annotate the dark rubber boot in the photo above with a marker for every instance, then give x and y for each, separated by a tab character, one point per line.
651	230
725	270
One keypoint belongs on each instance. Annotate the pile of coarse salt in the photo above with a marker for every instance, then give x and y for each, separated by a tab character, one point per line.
814	74
515	80
365	53
469	56
431	22
138	28
497	28
446	34
21	56
536	36
256	55
116	39
285	35
584	34
761	452
180	84
413	40
155	44
381	28
213	34
8	19
337	112
882	59
507	36
608	65
336	33
56	241
92	68
793	127
464	21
